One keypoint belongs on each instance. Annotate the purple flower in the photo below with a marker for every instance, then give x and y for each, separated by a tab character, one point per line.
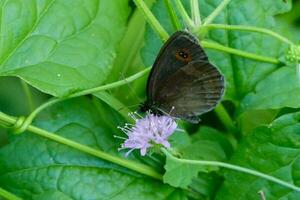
147	132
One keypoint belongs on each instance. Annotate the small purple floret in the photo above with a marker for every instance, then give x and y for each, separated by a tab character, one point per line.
147	132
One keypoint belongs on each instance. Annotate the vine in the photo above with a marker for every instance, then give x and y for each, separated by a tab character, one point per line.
21	127
9	121
232	167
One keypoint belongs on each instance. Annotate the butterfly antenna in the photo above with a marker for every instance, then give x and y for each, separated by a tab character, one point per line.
162	111
172	109
165	113
130	88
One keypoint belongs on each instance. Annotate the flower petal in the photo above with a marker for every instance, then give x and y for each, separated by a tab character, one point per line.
151	128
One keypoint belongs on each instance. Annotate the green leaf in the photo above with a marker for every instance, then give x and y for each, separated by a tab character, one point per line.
206	185
61	46
273	150
180	174
287	25
114	104
279	89
218	140
241	74
252	119
36	168
179	139
207	144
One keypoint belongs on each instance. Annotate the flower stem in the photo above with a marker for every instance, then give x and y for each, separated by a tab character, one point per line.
187	20
196	12
248	28
232	167
6	120
224	117
52	101
8	195
152	20
252	56
216	12
172	14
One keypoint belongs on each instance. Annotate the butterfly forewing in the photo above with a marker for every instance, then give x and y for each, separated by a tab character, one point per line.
169	61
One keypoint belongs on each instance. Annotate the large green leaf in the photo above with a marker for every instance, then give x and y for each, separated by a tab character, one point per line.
60	46
36	168
279	89
241	74
272	149
206	144
252	119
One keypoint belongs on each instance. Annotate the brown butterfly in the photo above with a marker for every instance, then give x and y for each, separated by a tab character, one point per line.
182	81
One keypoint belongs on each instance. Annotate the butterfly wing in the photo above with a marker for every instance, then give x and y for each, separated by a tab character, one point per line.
182	78
169	59
193	89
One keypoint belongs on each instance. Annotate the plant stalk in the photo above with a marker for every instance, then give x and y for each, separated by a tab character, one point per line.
6	120
7	195
248	28
237	52
232	167
152	20
186	18
52	101
216	12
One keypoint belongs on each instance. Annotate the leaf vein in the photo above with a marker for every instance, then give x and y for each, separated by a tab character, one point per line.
28	33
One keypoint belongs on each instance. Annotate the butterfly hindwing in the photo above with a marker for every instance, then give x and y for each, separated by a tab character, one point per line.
194	89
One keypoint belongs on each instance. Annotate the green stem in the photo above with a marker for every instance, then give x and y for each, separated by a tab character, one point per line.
216	12
133	39
248	28
196	12
32	115
187	20
111	85
28	95
114	103
232	167
298	71
224	117
152	20
6	120
252	56
8	195
173	16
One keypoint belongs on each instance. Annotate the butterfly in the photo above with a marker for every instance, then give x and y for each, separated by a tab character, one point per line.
182	81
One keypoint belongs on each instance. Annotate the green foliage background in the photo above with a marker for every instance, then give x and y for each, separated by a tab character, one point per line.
55	48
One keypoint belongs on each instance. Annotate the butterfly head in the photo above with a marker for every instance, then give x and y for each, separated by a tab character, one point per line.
151	107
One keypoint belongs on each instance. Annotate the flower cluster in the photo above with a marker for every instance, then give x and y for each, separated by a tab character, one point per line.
293	54
147	132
